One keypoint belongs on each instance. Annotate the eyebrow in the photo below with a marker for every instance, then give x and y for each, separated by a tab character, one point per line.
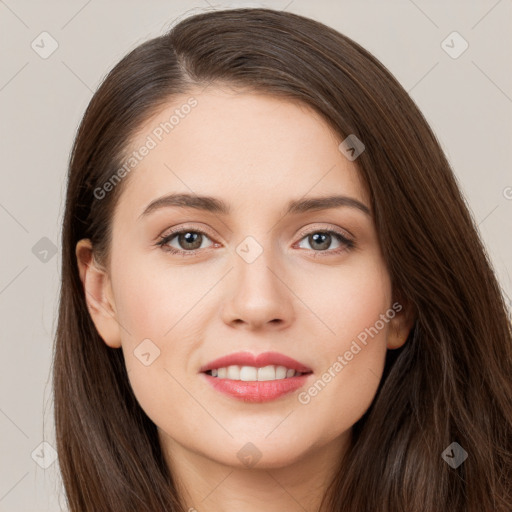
218	206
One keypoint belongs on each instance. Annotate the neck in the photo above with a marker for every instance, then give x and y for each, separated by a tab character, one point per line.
206	485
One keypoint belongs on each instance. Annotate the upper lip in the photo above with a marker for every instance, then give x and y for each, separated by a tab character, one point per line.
256	360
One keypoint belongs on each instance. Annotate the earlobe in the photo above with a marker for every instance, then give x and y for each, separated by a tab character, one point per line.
399	327
396	336
98	294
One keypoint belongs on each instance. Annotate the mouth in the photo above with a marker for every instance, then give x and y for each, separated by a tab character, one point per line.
260	378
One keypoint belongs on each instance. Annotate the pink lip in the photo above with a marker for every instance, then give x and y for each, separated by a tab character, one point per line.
258	361
254	391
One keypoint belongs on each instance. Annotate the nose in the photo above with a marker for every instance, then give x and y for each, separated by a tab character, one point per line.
259	296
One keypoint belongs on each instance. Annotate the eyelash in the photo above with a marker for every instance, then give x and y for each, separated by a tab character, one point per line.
347	244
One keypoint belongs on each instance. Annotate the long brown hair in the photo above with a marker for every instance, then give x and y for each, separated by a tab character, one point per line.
450	382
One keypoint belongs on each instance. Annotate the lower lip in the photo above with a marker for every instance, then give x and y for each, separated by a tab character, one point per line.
256	391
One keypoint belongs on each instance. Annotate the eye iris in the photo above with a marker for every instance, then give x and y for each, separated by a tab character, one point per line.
324	236
190	238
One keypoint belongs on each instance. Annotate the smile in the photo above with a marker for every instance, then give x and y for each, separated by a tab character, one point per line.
255	377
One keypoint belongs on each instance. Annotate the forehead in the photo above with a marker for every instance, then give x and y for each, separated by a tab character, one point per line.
251	149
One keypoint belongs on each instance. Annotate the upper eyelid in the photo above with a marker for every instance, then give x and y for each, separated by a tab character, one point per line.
345	233
172	232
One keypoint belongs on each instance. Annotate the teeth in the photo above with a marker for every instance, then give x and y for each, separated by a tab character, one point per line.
280	372
267	373
251	373
248	373
233	372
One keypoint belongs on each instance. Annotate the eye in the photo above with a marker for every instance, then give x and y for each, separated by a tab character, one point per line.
321	240
188	239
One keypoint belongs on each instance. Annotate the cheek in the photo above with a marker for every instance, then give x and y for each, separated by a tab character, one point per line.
353	355
153	300
161	320
346	301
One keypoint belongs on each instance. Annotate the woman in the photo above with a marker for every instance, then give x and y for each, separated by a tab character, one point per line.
209	354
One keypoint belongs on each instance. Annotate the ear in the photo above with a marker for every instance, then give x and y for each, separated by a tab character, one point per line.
98	294
401	324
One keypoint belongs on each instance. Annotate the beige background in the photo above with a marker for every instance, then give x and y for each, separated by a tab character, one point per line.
467	100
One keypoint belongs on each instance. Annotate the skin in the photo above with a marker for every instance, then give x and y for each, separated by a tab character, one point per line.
256	152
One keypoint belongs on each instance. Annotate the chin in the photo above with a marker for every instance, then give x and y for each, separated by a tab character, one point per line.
261	454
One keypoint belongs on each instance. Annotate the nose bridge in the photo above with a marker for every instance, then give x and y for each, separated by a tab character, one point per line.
259	295
257	259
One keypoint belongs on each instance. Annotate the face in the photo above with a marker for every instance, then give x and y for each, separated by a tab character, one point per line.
186	286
